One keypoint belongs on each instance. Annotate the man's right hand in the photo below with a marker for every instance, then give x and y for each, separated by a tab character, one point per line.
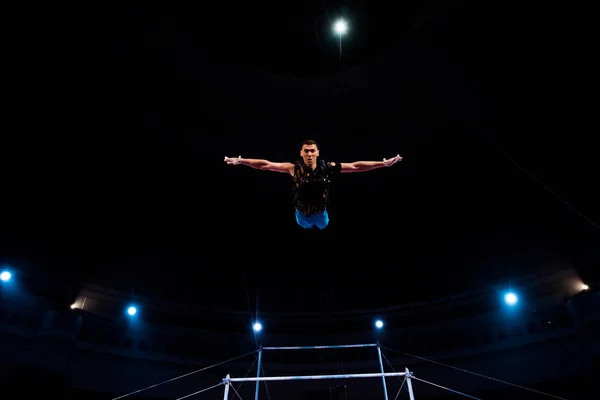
233	161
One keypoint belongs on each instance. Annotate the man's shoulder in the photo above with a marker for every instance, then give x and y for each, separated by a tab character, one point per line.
332	165
328	163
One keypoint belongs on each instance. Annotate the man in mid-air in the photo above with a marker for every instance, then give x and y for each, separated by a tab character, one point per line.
312	178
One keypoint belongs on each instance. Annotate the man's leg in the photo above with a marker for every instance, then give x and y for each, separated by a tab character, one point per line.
303	220
321	220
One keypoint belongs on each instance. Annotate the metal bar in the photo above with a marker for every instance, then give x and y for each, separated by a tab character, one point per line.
382	371
346	346
258	372
307	377
409	384
226	395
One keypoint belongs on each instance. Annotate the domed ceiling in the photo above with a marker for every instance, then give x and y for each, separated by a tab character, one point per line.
130	189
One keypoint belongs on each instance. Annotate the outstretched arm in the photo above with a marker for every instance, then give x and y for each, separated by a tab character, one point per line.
264	165
363	166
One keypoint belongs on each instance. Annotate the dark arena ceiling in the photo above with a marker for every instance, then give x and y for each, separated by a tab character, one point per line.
121	181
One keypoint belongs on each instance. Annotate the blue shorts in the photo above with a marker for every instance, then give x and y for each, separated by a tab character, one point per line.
319	220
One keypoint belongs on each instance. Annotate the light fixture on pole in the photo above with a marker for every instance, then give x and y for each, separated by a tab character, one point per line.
340	28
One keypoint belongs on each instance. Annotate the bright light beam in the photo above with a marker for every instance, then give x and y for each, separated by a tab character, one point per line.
511	298
340	27
5	276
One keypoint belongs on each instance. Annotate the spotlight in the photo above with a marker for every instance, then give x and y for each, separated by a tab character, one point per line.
584	287
379	324
5	276
340	27
257	327
73	306
131	311
510	298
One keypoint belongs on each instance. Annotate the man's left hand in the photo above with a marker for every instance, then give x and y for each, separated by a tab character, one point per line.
391	161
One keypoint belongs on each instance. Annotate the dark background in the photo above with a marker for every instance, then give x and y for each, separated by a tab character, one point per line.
121	115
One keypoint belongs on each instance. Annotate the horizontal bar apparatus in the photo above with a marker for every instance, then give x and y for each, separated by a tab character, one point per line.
343	346
306	377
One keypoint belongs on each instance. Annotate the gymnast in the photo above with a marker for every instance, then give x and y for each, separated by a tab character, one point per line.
312	178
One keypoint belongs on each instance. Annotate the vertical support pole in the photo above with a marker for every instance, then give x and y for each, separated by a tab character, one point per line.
382	371
227	383
259	366
409	384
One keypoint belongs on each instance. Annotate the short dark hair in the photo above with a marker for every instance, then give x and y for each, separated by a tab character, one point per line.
309	142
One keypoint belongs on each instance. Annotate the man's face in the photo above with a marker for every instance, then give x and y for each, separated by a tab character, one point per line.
309	154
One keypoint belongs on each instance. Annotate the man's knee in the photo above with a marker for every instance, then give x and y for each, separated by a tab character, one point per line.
321	225
304	224
301	220
323	221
